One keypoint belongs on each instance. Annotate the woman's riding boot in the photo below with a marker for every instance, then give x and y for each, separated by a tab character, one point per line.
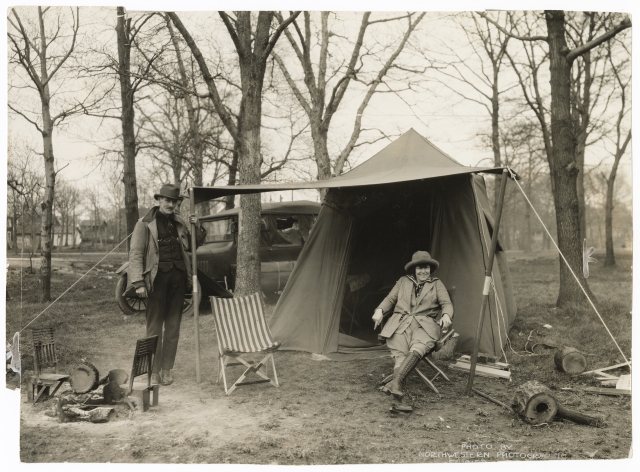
395	386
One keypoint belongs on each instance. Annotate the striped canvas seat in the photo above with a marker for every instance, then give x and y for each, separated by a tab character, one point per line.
240	324
241	328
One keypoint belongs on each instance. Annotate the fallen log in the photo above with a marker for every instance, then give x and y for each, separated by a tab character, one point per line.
576	417
534	403
570	360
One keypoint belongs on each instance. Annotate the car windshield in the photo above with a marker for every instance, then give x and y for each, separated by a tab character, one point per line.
218	230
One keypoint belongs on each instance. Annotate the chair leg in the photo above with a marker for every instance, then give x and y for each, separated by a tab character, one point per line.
386	380
436	368
156	393
54	388
274	382
426	380
39	391
224	377
145	399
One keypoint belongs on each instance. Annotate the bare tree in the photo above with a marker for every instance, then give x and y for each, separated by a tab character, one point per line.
319	99
620	142
253	47
41	49
478	80
562	155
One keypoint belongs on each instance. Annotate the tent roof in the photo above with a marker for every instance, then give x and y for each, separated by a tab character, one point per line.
410	157
300	207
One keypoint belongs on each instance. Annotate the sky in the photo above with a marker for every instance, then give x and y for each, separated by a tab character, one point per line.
440	131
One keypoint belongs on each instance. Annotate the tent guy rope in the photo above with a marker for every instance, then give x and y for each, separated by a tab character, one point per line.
74	284
567	263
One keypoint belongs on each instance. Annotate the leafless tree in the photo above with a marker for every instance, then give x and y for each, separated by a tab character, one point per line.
40	50
620	140
253	47
561	154
324	84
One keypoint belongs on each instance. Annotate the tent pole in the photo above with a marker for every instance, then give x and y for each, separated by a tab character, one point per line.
487	280
194	289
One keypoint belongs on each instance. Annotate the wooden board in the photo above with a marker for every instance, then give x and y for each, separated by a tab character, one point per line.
499	365
482	370
607	391
597	371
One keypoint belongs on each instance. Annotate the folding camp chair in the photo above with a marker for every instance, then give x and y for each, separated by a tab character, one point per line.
241	328
143	359
444	338
44	355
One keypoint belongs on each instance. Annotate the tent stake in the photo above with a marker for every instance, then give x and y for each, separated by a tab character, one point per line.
487	281
194	288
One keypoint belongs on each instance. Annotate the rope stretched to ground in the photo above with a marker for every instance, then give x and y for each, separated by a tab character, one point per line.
74	284
567	263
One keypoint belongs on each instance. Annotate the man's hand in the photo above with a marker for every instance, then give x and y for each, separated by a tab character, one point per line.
194	220
141	292
445	322
377	318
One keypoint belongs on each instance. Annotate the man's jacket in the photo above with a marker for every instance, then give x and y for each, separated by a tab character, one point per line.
144	253
432	300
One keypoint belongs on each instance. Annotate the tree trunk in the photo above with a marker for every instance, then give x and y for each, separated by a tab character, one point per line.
248	271
123	29
233	174
321	152
46	206
534	403
562	164
610	258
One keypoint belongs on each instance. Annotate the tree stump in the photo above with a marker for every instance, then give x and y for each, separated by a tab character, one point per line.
534	403
84	378
570	360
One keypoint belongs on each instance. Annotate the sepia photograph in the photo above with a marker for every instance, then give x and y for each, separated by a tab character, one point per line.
341	234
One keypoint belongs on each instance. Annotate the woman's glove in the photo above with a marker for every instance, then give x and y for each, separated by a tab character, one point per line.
377	317
445	322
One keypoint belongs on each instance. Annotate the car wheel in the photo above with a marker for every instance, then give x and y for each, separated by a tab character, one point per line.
128	305
188	301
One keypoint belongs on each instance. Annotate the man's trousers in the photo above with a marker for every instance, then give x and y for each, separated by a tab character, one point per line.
164	307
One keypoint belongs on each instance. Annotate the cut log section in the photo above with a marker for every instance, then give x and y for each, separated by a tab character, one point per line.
534	403
84	378
579	418
570	360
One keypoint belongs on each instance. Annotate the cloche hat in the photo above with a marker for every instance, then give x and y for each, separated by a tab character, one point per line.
419	258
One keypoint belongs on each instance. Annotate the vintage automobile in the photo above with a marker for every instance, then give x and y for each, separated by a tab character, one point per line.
285	229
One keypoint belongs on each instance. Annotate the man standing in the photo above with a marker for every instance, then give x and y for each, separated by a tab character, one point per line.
160	271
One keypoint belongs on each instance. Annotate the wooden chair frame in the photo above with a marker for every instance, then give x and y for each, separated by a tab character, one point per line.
229	358
44	355
143	359
426	359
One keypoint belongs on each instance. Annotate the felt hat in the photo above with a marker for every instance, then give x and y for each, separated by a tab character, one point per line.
169	191
420	258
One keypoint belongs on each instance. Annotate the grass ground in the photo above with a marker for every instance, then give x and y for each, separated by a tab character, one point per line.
327	412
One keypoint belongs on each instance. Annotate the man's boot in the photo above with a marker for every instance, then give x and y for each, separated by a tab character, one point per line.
395	386
165	377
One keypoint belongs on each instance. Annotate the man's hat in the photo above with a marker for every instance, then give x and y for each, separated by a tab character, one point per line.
169	191
420	258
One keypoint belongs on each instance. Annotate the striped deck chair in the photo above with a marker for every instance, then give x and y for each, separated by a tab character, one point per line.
241	328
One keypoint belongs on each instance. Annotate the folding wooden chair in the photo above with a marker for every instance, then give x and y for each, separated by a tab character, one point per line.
143	359
444	338
44	355
241	328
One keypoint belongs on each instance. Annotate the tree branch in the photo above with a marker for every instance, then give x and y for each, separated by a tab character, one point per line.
580	50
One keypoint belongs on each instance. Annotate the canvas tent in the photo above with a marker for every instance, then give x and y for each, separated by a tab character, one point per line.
409	196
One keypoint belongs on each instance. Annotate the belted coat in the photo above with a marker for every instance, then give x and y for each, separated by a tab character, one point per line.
432	300
144	253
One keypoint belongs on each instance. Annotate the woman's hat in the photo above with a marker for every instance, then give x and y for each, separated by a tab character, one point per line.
169	191
419	258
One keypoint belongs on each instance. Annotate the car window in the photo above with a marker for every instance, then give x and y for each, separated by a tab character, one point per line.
218	230
287	231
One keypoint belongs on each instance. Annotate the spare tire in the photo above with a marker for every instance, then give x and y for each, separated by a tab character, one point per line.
128	305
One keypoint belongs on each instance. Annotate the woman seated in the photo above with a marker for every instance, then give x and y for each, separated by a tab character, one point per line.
412	330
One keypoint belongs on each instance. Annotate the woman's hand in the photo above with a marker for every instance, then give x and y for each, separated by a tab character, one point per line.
377	317
445	322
